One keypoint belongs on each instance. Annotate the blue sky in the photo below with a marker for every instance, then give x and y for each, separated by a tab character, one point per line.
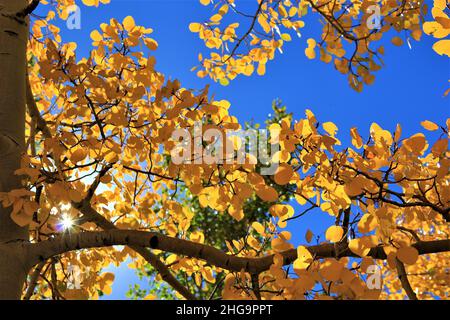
408	90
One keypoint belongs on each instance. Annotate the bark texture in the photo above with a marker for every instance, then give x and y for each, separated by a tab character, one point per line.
13	44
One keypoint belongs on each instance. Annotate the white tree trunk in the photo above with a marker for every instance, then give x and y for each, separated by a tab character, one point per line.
13	64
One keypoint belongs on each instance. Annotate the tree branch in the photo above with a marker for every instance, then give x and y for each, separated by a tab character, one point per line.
28	9
33	110
255	286
34	280
252	26
69	242
93	216
404	280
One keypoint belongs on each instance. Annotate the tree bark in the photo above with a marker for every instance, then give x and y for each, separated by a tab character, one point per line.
13	64
404	280
44	250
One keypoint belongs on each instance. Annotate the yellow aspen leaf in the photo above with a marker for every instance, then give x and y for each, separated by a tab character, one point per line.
439	5
128	23
341	65
365	263
261	69
369	78
380	135
286	37
223	9
311	42
106	179
330	128
281	156
171	259
78	155
224	81
416	143
263	23
279	244
216	18
397	41
440	147
308	236
357	247
331	270
334	233
108	277
90	3
398	133
238	214
195	27
208	275
292	11
107	290
356	138
304	259
266	193
416	34
355	83
205	2
408	255
281	210
325	57
367	223
392	259
278	260
431	28
285	235
282	10
259	228
361	246
435	29
317	197
283	174
111	157
275	129
254	243
309	51
443	20
197	236
356	186
442	47
96	36
429	125
151	44
256	180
